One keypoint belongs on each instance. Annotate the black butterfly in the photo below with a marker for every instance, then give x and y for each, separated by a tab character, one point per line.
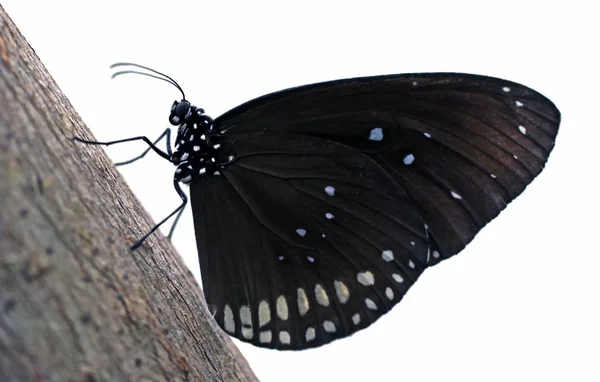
317	207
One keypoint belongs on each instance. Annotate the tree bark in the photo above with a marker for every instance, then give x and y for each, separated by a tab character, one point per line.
75	303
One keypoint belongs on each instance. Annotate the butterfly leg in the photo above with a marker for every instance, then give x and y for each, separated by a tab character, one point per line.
166	133
178	211
181	208
145	139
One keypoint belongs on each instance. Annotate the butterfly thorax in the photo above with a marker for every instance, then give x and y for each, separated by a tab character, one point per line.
198	149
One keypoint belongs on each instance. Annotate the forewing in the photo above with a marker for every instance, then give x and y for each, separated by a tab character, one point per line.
461	146
303	240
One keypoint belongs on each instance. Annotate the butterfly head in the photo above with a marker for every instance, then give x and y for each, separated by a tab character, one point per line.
190	119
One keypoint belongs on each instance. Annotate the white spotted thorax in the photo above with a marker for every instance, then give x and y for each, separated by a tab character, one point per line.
199	150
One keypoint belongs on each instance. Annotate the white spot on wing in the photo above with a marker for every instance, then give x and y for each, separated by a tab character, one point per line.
310	334
329	216
376	134
264	313
455	195
519	104
228	322
365	278
321	295
411	264
506	89
330	190
342	292
427	135
302	302
282	308
356	319
387	255
370	304
196	148
436	255
247	333
493	176
245	316
284	337
523	130
184	156
310	259
389	293
265	337
398	278
301	232
409	159
329	326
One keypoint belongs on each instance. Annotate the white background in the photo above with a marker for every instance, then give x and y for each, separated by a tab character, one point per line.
521	303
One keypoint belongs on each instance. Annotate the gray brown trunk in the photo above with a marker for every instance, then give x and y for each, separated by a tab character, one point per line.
75	303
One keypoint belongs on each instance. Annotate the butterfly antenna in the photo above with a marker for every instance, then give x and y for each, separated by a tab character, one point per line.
158	75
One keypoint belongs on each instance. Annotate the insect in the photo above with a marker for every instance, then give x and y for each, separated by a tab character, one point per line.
316	208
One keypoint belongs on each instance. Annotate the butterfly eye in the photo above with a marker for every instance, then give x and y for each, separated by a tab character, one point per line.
180	111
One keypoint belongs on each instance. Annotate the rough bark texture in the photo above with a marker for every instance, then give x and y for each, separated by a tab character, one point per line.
75	303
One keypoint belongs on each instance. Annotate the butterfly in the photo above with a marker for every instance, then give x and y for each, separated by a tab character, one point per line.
316	208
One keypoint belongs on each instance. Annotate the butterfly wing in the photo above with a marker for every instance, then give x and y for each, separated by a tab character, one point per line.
462	146
303	245
342	193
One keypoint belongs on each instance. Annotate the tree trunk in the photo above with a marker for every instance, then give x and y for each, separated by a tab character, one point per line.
75	303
